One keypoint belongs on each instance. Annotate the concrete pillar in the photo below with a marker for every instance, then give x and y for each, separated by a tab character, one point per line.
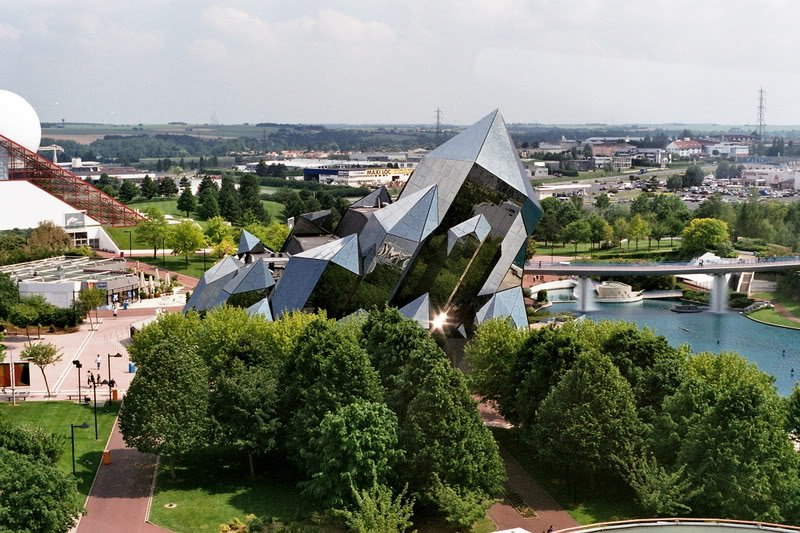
719	293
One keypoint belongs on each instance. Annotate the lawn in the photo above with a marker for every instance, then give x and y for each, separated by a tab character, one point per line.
177	263
168	206
56	417
583	250
770	316
214	489
609	500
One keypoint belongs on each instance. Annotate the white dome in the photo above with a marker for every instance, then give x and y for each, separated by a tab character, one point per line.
19	121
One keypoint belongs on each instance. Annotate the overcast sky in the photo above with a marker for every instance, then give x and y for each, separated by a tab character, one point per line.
372	61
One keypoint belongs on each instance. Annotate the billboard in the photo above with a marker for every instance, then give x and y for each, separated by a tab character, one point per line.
74	220
22	375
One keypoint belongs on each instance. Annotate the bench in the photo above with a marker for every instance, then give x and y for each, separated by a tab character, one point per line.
19	396
77	396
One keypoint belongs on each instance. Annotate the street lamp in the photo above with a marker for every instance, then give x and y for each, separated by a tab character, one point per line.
72	438
94	392
109	372
78	367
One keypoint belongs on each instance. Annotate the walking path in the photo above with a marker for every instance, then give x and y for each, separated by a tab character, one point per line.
121	494
505	516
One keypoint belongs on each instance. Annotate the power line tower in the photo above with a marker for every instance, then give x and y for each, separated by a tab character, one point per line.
438	115
762	108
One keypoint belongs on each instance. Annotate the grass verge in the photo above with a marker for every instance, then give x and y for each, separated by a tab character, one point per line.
178	264
770	316
56	417
215	488
606	501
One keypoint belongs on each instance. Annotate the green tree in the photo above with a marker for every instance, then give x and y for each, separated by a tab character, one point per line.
453	448
727	426
23	315
355	449
638	229
329	370
377	510
128	191
208	203
622	231
165	408
229	204
703	234
90	299
793	417
250	197
36	496
660	493
599	230
674	183
47	236
167	187
186	201
186	238
491	354
576	232
588	422
149	188
602	202
9	294
154	229
693	177
217	230
32	441
42	355
243	409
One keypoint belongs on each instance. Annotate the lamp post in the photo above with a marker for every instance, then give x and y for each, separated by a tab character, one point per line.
72	438
94	393
109	372
78	367
163	259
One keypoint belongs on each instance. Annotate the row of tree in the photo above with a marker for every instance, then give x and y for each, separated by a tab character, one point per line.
691	434
360	407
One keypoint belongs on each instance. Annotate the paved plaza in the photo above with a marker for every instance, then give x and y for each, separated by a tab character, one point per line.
110	336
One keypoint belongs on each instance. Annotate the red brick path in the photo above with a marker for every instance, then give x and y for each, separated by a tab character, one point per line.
120	497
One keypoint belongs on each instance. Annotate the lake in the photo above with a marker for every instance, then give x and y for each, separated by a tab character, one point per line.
775	350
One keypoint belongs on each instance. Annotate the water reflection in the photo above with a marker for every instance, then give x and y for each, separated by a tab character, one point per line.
776	351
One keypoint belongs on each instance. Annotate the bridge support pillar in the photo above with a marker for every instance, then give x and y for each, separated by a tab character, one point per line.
586	295
719	293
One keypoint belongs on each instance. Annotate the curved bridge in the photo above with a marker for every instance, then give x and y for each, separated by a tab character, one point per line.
719	270
726	266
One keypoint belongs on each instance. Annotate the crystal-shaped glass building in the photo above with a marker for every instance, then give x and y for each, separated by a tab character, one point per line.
449	251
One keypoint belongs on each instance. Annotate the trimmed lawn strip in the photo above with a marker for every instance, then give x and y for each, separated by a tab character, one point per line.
56	417
215	488
651	254
607	501
177	263
770	316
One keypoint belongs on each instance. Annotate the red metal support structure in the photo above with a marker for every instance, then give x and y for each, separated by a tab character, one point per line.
66	186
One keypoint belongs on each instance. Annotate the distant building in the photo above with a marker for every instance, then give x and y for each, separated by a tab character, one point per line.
357	177
685	148
610	149
656	156
729	149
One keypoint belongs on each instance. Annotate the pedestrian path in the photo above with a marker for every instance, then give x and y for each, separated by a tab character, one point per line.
120	497
548	512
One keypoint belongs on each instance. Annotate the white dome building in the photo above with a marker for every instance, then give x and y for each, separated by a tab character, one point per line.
25	180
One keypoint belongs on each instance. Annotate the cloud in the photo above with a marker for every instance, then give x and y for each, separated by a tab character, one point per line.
9	33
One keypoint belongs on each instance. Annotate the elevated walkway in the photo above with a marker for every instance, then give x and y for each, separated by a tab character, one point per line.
22	164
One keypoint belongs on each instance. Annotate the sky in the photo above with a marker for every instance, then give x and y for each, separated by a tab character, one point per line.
393	61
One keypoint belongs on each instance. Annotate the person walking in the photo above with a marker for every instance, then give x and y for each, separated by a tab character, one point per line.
114	311
89	379
98	361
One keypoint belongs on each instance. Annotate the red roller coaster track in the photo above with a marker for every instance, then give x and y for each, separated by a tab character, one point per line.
24	164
